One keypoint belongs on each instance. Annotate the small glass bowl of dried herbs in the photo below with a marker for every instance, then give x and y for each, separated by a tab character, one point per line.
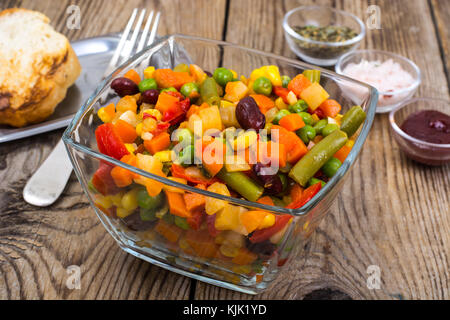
321	35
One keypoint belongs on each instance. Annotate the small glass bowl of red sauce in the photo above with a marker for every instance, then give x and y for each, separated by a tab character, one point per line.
421	127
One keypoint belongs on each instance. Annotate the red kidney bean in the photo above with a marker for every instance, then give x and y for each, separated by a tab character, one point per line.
150	96
270	181
248	114
124	87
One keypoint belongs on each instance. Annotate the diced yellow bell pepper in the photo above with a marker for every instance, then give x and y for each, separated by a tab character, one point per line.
235	75
103	201
164	156
257	73
117	199
235	91
273	73
148	72
279	103
314	95
213	205
129	200
227	218
107	114
130	147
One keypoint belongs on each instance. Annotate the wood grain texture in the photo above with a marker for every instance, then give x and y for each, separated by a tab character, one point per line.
392	212
441	15
38	244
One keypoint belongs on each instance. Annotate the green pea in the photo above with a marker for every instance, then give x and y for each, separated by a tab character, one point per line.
263	86
298	107
190	90
147	202
329	128
181	222
222	76
331	167
307	133
320	125
307	118
169	89
183	135
186	156
280	114
313	181
147	214
285	81
182	67
147	84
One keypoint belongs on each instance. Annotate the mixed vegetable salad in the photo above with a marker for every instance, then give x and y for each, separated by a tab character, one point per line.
267	138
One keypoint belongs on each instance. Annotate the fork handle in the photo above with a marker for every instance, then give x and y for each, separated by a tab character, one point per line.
48	182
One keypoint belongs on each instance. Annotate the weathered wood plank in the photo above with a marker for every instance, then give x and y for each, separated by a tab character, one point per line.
38	244
392	212
441	13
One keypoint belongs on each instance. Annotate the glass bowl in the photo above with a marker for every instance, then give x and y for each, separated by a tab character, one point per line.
195	253
421	151
319	52
388	100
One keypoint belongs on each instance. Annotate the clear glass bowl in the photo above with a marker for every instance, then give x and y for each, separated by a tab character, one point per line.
195	254
387	100
319	52
419	150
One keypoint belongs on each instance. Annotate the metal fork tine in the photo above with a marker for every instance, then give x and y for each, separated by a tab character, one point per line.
154	29
122	41
130	44
145	32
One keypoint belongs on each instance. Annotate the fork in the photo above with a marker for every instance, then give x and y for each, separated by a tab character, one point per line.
47	183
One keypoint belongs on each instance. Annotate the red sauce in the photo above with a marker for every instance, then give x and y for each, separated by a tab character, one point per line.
428	125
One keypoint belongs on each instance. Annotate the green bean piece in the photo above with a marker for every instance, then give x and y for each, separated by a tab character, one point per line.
182	67
352	120
311	162
312	75
147	214
331	167
313	181
320	125
208	92
181	223
242	184
329	128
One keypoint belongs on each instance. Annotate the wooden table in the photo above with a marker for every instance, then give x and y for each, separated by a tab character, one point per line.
392	212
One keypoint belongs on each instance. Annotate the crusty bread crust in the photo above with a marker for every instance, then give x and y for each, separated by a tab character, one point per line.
53	75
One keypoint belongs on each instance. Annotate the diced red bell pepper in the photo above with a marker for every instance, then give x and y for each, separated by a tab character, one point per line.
265	234
102	180
109	142
307	195
210	222
161	127
175	94
319	112
281	92
195	220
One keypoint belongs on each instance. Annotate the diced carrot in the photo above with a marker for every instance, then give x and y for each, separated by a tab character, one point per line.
298	84
195	201
126	131
295	147
133	76
166	78
252	219
330	108
169	231
166	102
342	153
177	206
244	257
158	143
296	193
264	103
292	122
202	243
121	176
266	200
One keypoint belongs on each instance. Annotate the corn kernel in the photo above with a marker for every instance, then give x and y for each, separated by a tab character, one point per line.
148	125
245	140
104	115
164	156
291	98
267	222
129	200
154	112
338	119
139	129
234	73
129	117
123	213
148	72
229	250
130	147
279	103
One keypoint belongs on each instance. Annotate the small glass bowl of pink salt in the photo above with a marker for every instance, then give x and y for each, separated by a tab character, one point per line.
395	77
